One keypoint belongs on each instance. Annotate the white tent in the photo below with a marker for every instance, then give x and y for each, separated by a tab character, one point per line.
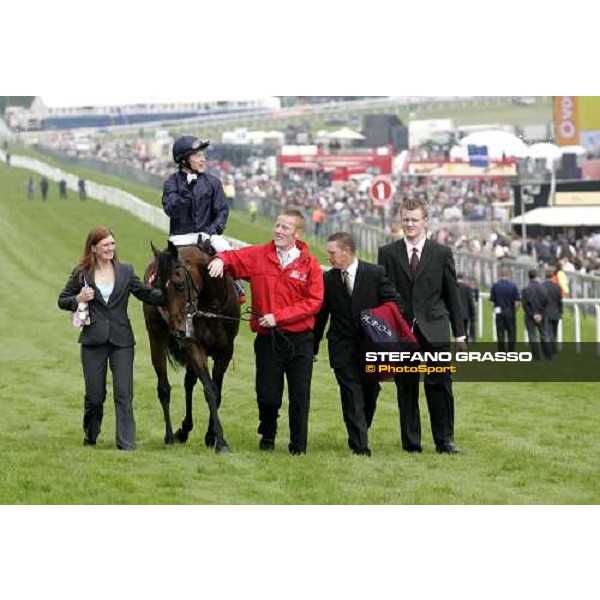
547	151
459	153
499	143
561	216
345	134
579	150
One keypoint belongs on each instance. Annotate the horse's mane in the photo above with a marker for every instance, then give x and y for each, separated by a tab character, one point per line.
164	266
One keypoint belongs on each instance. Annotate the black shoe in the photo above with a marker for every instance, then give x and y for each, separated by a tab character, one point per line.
294	451
126	448
449	448
364	452
297	452
87	442
266	444
413	449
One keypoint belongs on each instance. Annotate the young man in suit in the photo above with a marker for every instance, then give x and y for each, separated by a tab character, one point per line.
351	285
535	308
424	275
505	297
467	303
554	310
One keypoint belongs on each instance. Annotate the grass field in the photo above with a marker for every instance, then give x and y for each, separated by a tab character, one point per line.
524	444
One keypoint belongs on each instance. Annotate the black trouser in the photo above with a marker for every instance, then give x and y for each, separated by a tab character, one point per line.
359	401
95	360
506	326
440	402
533	329
289	354
553	331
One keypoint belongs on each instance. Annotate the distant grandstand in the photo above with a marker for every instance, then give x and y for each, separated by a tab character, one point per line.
303	100
52	113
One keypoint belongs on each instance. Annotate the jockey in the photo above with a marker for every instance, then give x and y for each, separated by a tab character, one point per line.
194	200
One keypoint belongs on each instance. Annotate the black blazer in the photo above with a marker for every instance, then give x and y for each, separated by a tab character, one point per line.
108	322
345	337
430	299
554	309
467	304
535	299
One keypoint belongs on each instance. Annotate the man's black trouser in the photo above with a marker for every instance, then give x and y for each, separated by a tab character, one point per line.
359	401
440	401
541	330
506	326
290	355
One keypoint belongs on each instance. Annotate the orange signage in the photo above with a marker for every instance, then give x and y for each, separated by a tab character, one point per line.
566	118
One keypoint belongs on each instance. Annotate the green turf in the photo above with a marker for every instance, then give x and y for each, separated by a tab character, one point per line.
530	443
238	224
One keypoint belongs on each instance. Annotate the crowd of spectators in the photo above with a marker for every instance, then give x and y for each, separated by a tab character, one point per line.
458	206
571	254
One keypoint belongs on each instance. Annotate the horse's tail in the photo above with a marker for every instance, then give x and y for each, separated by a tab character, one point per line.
176	353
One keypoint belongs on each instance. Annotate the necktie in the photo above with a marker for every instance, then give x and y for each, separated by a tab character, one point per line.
414	260
346	282
283	256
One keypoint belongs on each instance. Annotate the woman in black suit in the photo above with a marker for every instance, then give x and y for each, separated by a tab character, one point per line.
105	284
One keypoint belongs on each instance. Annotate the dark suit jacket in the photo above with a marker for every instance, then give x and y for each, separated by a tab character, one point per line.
554	309
345	337
430	298
467	304
535	299
108	322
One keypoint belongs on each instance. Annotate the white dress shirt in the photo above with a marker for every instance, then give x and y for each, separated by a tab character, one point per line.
419	247
351	270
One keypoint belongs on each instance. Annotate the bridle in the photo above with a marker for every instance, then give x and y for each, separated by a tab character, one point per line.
193	310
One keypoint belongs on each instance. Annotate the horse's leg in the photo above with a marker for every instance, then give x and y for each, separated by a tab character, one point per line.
221	362
187	424
159	362
199	360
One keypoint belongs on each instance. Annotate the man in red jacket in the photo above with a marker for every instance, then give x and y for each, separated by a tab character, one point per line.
286	282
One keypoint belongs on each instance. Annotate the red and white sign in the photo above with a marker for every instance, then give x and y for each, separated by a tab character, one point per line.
381	191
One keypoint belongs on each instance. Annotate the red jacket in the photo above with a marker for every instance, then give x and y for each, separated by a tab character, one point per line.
293	295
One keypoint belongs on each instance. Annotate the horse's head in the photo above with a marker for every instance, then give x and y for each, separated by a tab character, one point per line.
179	274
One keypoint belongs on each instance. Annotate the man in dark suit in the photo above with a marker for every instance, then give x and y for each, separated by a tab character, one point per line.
535	305
505	298
351	286
424	275
554	310
467	305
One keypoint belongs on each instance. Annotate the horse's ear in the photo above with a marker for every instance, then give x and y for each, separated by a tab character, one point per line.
154	250
172	249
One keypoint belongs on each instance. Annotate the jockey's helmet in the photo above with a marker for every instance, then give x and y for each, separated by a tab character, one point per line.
187	145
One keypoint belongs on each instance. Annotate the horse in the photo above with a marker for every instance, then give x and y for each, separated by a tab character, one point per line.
201	319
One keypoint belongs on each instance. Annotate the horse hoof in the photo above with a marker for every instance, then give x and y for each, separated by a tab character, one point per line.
169	440
181	436
222	449
209	440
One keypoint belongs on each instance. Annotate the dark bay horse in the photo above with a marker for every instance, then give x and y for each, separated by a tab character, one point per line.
201	320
